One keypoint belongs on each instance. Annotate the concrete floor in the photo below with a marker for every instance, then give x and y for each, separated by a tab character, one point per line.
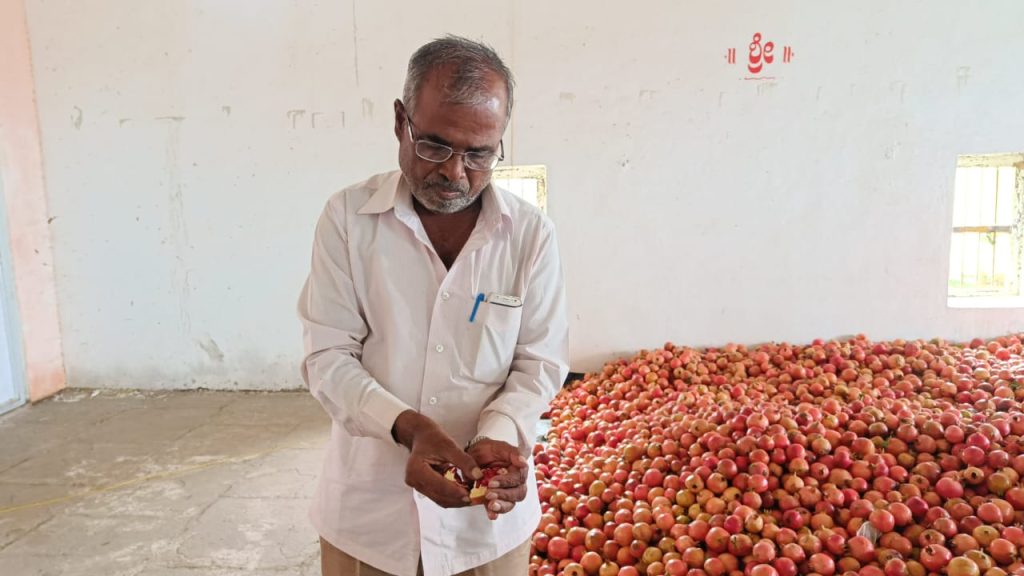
119	483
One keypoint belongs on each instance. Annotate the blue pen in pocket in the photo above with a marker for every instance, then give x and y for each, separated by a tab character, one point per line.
476	306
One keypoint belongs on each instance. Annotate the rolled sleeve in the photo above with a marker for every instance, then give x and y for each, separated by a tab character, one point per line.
498	426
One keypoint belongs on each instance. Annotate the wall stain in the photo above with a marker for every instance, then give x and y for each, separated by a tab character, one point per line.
122	121
209	345
892	150
963	74
355	42
76	117
901	86
178	234
226	110
295	115
312	119
171	118
367	108
567	97
646	95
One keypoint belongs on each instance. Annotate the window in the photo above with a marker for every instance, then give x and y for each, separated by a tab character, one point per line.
988	231
527	182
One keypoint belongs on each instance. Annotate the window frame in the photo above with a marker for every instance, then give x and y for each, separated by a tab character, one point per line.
1015	230
538	172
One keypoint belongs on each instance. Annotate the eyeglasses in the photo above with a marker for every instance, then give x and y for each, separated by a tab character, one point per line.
438	153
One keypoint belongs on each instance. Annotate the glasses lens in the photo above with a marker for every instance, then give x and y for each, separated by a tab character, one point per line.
484	161
432	152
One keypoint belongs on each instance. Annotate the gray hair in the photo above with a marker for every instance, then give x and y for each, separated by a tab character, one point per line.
474	62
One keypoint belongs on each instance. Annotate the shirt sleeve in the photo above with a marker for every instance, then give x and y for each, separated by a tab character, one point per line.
540	363
334	330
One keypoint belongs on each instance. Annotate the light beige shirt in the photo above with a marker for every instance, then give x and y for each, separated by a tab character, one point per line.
387	328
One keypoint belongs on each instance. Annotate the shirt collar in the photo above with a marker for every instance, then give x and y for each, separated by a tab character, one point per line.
384	198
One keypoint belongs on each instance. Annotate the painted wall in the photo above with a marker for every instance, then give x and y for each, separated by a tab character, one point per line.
28	257
190	147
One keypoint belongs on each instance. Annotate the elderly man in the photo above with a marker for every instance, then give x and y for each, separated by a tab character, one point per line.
435	334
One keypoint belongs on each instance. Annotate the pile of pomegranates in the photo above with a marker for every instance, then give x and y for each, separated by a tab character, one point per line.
836	458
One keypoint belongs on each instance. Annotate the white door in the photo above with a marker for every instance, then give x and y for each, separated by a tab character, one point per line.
11	383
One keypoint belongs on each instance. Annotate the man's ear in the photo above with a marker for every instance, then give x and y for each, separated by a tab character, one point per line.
399	118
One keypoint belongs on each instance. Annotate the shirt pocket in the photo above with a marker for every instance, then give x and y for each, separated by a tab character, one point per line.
499	333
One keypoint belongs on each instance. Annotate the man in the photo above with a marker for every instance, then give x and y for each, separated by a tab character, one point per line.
435	332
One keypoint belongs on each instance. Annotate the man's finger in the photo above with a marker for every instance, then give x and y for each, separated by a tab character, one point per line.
445	493
463	462
512	478
499	507
515	494
427	481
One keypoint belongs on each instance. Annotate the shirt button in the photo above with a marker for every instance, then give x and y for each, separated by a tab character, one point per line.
445	296
433	400
440	348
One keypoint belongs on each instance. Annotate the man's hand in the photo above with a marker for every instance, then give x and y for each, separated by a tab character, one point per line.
429	446
503	491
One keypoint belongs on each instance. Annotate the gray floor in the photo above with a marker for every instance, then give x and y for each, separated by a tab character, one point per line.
121	483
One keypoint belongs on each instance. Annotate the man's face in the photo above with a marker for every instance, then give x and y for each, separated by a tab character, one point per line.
449	187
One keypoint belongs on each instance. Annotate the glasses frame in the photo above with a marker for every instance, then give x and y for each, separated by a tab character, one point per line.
499	157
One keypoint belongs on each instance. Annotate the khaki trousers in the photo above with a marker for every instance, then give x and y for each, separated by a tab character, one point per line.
334	562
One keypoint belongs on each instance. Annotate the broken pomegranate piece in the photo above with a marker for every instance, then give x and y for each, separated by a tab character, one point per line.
452	474
478	489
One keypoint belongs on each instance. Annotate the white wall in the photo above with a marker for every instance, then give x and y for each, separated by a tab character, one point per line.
190	146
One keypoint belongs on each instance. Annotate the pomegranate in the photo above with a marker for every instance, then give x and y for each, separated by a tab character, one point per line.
961	566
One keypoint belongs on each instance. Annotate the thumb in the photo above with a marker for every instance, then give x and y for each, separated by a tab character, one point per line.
464	462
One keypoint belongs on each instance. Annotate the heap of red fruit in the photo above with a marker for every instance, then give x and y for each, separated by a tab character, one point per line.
852	458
